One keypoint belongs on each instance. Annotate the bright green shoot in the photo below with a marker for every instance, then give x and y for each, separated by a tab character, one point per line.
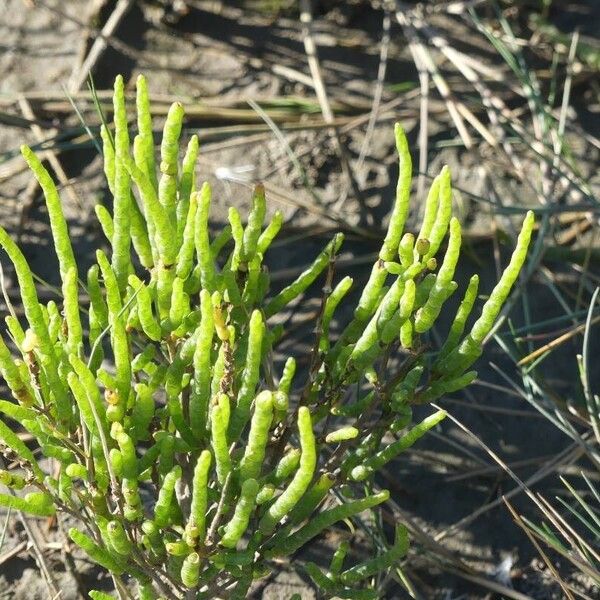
193	461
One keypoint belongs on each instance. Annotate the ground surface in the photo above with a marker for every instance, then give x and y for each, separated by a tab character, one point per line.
217	57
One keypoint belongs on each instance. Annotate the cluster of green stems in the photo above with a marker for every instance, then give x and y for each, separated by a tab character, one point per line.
191	461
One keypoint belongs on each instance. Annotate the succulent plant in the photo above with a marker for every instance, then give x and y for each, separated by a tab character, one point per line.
161	385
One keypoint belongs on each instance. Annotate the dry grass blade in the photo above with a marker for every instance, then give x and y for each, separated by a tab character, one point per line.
457	7
310	48
14	551
572	537
568	455
422	56
385	109
50	154
461	448
471	69
547	405
500	117
493	586
52	101
30	530
27	202
424	83
584	568
574	553
100	44
125	49
293	75
227	131
495	469
377	95
556	342
467	65
423	538
5	528
539	549
446	559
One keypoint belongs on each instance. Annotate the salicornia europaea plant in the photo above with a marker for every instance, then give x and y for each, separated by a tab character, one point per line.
190	465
